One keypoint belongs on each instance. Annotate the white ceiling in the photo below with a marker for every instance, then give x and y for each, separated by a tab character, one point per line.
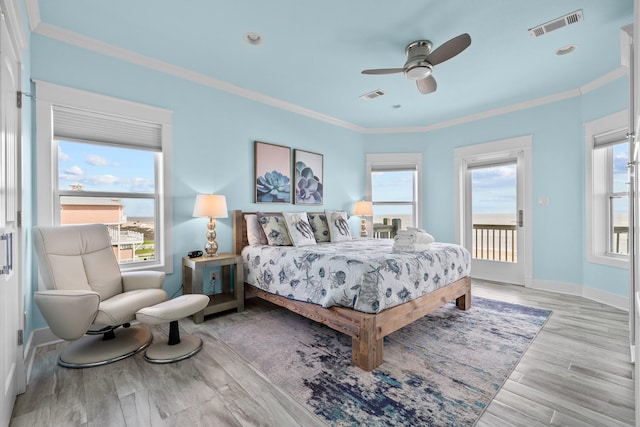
313	52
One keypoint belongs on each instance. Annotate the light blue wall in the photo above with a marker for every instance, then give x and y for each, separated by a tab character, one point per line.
213	134
558	174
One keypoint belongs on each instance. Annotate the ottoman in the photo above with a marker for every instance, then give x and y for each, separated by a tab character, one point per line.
175	348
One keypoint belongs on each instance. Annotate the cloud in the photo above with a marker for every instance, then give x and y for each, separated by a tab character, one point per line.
62	156
96	160
106	179
74	170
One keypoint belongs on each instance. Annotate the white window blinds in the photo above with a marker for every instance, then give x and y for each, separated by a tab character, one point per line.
77	124
610	138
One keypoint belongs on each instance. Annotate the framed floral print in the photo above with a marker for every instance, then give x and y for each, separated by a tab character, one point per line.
272	173
308	177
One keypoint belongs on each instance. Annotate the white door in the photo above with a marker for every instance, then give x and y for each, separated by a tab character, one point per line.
11	303
494	221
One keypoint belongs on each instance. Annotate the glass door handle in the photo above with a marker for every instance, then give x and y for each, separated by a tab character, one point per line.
520	218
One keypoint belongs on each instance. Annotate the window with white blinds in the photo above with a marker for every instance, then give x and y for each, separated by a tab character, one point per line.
108	160
607	193
393	185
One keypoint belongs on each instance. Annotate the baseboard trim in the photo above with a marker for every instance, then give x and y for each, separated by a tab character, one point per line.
597	295
37	338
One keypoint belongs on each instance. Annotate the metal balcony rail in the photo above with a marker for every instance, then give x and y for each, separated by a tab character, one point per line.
495	242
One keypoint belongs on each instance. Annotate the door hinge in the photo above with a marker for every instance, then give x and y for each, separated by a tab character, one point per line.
20	337
19	99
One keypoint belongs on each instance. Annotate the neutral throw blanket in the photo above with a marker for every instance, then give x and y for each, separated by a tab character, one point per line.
412	240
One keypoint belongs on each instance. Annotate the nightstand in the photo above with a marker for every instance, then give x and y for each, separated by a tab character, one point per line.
231	295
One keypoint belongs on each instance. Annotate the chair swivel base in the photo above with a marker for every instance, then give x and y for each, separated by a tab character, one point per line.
175	348
162	352
92	350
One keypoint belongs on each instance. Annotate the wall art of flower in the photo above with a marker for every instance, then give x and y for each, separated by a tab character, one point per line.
273	187
308	178
272	173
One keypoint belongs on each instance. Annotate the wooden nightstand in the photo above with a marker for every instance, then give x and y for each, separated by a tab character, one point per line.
231	277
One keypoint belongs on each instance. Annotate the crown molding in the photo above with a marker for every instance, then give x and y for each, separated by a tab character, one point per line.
482	115
72	38
582	90
33	13
604	80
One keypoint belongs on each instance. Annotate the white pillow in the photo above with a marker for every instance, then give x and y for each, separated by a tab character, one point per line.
338	225
275	229
255	234
318	222
299	229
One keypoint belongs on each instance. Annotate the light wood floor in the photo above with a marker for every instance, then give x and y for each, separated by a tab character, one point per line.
576	373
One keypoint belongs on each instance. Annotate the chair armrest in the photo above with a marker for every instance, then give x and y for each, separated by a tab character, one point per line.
133	280
68	313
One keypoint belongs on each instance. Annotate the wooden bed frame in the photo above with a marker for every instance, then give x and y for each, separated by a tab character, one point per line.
367	330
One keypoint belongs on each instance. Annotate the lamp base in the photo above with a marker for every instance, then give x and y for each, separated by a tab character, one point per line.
211	248
363	228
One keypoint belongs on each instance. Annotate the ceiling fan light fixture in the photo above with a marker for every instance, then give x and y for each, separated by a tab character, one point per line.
418	71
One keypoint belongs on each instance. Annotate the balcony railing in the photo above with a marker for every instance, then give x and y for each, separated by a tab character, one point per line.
495	242
621	239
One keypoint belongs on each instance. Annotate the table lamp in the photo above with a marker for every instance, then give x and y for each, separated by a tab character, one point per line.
212	206
363	209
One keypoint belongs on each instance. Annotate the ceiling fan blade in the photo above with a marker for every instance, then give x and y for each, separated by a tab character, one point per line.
427	85
449	49
384	71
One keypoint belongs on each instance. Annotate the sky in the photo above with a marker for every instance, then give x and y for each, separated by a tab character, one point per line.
108	168
494	190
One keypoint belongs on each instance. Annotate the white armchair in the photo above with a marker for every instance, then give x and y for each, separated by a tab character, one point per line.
87	294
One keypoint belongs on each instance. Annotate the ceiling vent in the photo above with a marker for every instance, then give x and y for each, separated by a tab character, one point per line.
563	21
372	95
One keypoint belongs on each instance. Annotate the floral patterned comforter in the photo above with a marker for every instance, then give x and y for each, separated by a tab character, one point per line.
363	274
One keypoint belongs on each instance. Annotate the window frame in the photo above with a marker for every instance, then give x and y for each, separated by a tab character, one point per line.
50	96
599	190
398	161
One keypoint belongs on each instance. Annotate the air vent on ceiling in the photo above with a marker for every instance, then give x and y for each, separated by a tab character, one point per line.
372	95
563	21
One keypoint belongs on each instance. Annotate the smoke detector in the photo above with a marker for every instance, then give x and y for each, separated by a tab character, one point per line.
561	22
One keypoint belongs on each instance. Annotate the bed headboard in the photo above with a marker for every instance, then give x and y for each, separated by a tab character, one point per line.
239	231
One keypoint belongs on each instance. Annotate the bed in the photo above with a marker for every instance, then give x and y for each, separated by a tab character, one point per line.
345	310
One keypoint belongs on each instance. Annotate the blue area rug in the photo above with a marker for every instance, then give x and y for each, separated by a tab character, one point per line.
442	370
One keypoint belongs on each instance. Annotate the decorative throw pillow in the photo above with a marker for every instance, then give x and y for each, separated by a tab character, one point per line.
338	225
275	229
299	229
318	222
255	233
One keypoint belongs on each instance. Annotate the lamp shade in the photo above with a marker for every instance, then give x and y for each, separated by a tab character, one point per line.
363	208
210	205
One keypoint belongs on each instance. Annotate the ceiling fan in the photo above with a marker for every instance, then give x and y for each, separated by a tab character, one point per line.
421	60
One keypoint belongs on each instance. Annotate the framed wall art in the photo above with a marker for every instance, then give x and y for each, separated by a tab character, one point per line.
272	173
308	189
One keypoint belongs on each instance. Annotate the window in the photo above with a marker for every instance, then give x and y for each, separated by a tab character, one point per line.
393	185
108	160
607	190
616	157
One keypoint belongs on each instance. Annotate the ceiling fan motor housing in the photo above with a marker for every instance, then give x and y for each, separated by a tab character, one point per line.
416	67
